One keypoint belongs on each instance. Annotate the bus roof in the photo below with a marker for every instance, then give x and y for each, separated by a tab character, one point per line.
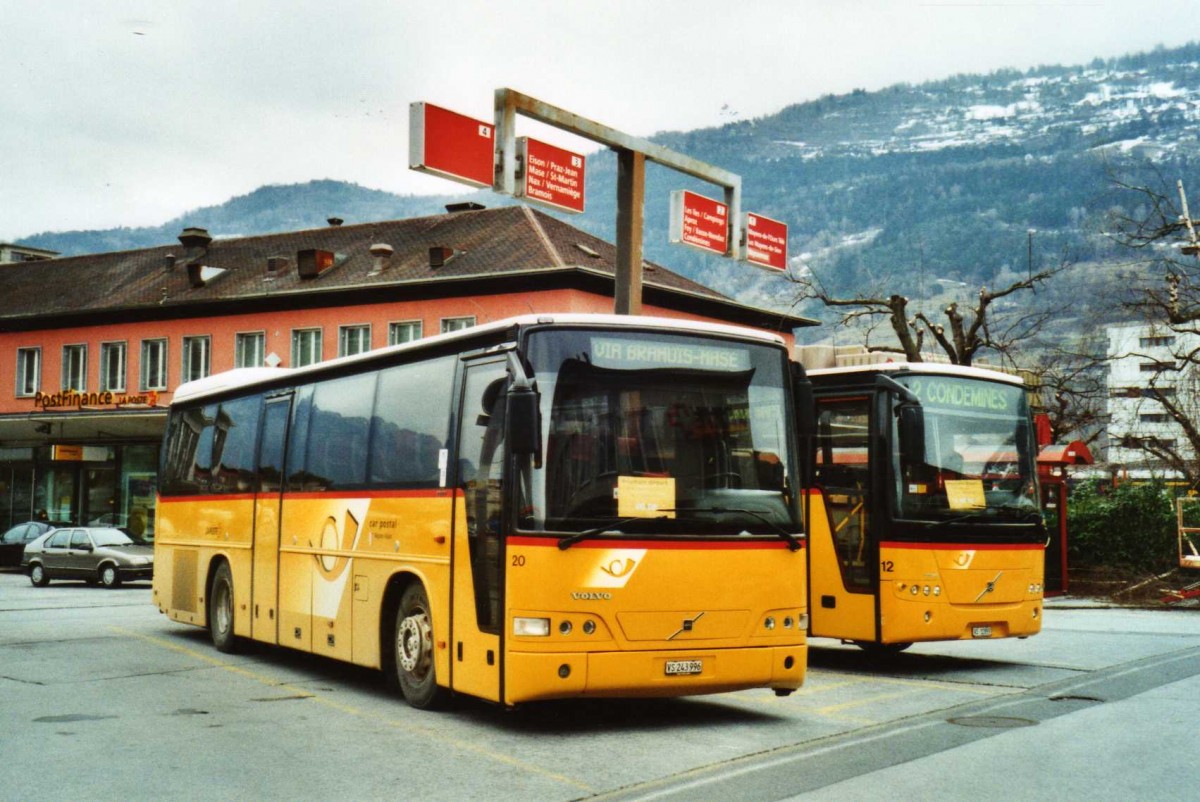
248	377
924	368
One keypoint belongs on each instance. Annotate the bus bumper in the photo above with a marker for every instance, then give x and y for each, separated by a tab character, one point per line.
542	675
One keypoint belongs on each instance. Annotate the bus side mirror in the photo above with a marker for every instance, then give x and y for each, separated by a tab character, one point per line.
912	433
806	410
524	422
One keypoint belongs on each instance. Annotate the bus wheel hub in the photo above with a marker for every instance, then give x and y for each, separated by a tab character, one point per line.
414	642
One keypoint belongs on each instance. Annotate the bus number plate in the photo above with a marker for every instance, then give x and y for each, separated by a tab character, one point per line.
981	632
676	667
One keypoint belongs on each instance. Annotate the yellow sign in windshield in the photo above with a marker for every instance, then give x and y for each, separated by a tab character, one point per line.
965	494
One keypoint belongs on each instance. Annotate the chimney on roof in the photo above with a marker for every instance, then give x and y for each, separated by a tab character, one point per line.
465	206
334	221
193	237
439	255
382	253
168	261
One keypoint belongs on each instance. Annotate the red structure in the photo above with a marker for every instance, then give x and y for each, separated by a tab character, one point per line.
1053	462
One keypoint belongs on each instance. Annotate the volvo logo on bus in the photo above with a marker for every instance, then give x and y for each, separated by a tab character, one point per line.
591	595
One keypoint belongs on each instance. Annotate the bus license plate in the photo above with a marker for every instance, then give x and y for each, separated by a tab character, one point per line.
981	632
676	667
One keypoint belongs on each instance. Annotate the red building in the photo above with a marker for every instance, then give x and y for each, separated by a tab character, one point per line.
94	345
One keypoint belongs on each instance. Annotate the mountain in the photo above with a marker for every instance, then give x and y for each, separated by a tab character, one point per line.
971	180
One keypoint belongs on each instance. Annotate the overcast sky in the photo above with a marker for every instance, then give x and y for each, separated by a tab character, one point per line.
131	112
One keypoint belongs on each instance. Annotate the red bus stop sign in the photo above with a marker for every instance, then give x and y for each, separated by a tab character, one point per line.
553	176
700	222
766	242
451	145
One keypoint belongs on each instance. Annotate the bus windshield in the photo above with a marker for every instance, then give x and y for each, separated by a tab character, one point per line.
978	460
653	433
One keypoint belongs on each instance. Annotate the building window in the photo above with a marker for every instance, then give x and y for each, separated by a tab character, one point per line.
1154	417
354	340
195	358
29	372
306	347
457	323
112	367
1156	367
248	350
74	368
406	331
1150	342
154	365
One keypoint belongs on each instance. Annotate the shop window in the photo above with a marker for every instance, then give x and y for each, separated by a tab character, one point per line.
457	323
74	368
195	358
29	372
154	365
354	340
306	347
404	331
112	367
249	348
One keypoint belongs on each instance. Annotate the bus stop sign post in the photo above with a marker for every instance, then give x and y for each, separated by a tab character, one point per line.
632	154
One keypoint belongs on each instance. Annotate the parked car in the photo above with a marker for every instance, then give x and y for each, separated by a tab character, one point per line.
13	542
91	553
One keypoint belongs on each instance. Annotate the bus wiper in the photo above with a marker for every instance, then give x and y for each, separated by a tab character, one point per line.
793	542
568	541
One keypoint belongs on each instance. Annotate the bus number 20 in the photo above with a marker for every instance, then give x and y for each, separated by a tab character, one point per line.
518	561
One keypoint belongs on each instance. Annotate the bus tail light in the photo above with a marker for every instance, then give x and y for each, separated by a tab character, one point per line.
536	627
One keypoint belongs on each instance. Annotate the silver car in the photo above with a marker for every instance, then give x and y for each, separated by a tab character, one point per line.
91	553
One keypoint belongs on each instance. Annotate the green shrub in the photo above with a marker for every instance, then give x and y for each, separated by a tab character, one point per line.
1128	526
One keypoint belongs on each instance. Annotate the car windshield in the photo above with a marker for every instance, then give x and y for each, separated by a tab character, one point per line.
110	537
978	453
654	433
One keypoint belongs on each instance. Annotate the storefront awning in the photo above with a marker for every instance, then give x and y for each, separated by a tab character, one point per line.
82	426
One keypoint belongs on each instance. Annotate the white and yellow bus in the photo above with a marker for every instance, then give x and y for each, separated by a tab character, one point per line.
925	522
543	507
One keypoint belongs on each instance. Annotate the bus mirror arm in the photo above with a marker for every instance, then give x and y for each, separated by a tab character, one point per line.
911	429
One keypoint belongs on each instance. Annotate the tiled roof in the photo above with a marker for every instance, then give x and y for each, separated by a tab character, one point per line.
486	243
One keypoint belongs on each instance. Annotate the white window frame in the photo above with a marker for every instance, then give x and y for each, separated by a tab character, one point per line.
351	339
74	367
159	380
315	348
240	342
28	382
415	327
188	371
108	382
449	324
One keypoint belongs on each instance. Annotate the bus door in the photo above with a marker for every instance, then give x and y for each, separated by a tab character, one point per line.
843	550
477	614
268	499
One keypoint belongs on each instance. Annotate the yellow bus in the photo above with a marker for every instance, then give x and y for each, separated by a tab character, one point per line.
543	507
925	522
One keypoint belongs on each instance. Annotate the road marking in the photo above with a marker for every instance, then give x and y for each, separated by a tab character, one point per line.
425	732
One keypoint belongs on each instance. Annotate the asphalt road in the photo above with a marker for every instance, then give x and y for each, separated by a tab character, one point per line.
101	697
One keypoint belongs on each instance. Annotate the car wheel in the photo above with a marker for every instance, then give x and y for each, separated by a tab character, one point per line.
109	577
38	576
220	610
412	647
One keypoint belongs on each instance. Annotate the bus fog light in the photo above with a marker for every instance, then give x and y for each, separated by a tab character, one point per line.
928	616
802	621
788	662
537	627
915	590
787	622
589	627
564	628
937	590
1035	612
564	671
927	590
770	622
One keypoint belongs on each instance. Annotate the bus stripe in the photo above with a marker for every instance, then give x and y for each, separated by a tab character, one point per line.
891	544
662	545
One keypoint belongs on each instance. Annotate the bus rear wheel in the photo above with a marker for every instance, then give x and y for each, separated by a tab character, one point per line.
413	651
220	610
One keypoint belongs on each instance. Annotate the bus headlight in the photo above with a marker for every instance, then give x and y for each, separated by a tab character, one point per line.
536	627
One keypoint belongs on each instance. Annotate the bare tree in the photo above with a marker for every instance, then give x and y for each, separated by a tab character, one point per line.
961	337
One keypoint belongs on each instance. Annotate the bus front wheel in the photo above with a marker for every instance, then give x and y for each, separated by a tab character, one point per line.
413	648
